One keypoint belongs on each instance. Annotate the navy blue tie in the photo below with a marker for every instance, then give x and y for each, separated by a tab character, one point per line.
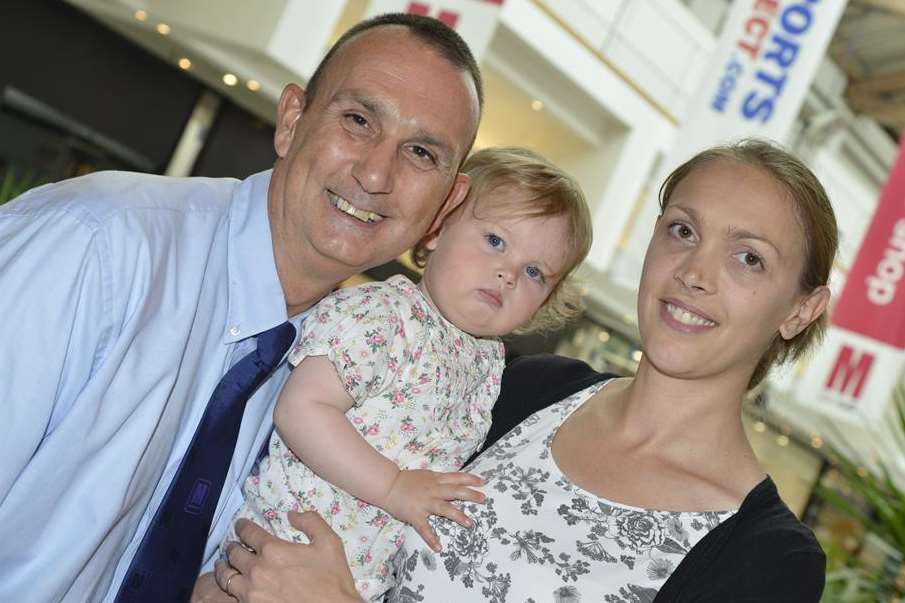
169	557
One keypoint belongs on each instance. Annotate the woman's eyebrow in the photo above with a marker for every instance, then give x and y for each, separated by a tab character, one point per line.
690	212
737	234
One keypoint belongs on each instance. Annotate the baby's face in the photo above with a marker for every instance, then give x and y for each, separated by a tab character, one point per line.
491	269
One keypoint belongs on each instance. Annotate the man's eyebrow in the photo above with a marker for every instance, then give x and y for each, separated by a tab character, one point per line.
370	104
443	149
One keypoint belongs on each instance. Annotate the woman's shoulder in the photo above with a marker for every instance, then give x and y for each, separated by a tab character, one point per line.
548	378
766	522
762	553
534	382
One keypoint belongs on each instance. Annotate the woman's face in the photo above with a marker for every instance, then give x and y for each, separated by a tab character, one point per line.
721	274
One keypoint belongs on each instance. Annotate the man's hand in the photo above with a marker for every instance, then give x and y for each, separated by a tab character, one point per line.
272	570
208	591
417	494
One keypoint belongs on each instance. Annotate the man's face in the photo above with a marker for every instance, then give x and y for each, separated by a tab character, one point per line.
371	162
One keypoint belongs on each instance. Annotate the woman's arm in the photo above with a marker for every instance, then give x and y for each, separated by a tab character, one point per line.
310	418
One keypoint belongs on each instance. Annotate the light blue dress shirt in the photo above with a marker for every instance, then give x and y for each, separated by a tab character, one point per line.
123	300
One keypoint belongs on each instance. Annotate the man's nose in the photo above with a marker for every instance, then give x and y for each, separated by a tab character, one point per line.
374	169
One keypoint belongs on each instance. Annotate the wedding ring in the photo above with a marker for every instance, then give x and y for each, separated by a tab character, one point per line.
230	579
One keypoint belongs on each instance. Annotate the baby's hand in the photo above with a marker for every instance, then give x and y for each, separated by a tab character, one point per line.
419	493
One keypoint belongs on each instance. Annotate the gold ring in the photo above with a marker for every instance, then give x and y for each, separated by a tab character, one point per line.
230	579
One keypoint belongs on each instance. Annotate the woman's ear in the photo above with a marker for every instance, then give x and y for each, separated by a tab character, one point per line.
807	311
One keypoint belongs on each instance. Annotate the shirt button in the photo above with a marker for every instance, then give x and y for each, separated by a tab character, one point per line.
234	330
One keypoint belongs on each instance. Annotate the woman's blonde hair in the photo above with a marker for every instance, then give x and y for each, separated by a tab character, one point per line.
546	191
815	214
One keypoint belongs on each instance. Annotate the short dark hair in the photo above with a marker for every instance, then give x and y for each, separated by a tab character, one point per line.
428	30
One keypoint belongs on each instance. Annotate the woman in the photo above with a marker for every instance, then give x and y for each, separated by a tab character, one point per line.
644	488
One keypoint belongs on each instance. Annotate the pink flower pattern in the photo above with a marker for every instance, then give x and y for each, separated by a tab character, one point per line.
423	392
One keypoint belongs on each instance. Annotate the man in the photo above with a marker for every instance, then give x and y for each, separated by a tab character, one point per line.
127	297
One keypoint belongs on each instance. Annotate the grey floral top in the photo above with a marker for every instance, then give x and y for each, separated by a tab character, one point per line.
541	538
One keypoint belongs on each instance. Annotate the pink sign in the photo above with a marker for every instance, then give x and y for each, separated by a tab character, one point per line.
872	303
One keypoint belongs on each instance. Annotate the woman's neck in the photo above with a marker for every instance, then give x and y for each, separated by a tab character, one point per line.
700	416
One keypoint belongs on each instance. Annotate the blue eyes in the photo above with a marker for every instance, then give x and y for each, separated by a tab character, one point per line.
496	242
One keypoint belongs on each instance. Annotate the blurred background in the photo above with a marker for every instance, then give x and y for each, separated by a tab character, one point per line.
612	91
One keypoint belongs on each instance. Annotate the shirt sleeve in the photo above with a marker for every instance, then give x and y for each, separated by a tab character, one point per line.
55	318
362	332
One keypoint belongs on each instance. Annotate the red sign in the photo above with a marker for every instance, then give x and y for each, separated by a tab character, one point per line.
873	300
849	372
447	17
474	20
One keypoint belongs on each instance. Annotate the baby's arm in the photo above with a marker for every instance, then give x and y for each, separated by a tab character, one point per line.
310	418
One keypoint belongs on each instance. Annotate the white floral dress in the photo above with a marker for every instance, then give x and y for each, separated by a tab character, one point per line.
541	538
423	392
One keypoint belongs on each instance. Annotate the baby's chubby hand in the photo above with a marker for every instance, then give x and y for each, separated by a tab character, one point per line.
418	493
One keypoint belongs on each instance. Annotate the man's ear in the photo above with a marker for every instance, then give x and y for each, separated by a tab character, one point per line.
807	311
431	239
453	200
289	111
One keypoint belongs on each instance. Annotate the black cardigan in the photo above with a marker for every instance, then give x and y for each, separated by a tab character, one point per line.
761	554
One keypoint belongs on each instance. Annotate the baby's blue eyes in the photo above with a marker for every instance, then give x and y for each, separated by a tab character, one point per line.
535	273
495	241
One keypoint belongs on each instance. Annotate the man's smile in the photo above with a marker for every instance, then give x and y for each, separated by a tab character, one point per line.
346	207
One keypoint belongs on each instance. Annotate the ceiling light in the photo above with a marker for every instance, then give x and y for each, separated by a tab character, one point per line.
163	29
782	440
185	63
253	85
229	79
760	427
537	105
603	337
141	15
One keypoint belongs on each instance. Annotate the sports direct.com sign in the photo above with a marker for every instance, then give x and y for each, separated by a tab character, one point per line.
768	53
768	42
763	65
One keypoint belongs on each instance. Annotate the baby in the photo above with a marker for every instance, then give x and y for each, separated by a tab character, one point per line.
394	382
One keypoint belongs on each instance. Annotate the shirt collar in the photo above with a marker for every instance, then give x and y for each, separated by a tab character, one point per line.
256	300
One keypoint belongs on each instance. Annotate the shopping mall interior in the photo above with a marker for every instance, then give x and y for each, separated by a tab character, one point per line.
602	88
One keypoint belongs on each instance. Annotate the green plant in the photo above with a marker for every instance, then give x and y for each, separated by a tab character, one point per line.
882	514
13	185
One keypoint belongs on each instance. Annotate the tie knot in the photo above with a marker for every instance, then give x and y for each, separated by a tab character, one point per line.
273	343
